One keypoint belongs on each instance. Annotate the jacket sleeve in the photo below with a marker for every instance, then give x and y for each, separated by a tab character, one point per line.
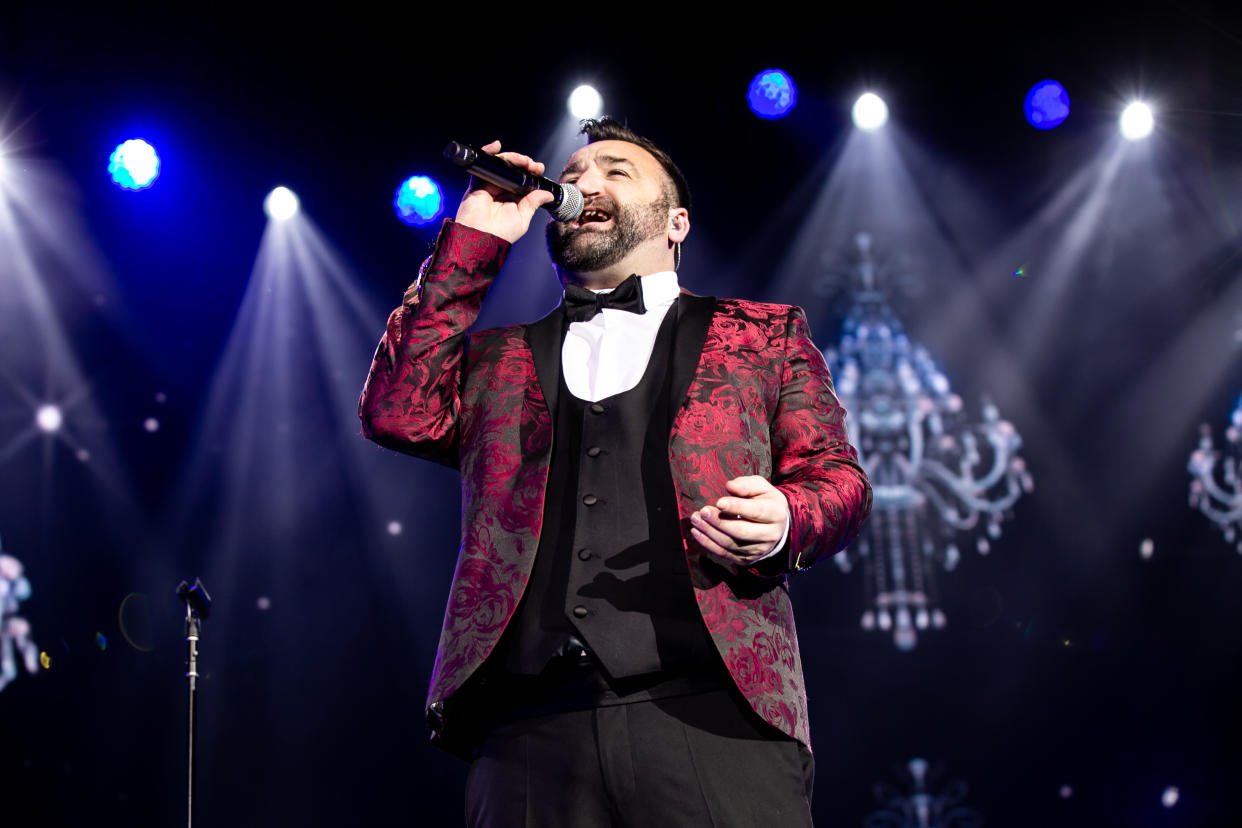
813	463
412	397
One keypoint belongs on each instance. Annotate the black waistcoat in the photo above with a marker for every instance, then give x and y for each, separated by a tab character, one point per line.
611	568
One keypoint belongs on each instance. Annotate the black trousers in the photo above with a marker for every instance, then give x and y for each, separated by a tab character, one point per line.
682	762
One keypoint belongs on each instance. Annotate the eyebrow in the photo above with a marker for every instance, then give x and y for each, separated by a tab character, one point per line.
612	160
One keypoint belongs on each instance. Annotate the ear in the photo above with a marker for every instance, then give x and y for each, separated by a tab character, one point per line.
678	225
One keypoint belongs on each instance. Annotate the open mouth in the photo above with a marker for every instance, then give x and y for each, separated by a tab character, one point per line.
593	215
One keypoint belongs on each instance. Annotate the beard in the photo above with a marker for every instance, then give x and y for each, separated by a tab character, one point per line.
580	249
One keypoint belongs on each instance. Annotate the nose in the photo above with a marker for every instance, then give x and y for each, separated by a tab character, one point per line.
590	182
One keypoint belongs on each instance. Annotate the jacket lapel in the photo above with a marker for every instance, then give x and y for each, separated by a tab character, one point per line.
694	316
545	338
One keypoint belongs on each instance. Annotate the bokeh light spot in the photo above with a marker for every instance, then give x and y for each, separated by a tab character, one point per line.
101	641
394	528
1170	796
1047	105
772	94
45	660
151	425
1066	791
264	603
418	201
134	165
1147	548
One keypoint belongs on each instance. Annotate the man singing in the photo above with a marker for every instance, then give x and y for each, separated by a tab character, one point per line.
641	470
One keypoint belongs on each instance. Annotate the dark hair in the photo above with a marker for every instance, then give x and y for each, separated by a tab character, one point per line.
606	129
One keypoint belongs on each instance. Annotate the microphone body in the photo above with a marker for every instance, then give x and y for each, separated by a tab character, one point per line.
565	206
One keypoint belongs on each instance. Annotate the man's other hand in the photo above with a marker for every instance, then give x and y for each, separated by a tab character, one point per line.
745	527
488	208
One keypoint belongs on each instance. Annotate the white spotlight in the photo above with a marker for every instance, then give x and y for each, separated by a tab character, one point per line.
870	112
49	418
585	102
1137	121
280	204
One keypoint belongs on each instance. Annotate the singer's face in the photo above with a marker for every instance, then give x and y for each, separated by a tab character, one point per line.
625	204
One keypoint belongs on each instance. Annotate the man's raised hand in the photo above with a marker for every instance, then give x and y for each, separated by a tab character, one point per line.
488	208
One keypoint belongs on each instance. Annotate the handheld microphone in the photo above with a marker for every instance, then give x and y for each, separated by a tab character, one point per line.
566	205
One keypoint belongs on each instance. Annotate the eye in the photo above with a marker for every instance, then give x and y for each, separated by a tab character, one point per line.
621	173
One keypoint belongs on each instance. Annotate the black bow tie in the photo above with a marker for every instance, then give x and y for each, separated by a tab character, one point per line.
582	304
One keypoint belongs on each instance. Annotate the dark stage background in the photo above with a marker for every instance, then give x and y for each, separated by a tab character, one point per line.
1120	340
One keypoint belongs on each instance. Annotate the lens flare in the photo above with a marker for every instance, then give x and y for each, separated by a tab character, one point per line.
49	418
870	112
281	204
1137	121
585	102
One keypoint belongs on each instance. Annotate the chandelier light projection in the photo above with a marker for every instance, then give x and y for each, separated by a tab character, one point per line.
1216	490
938	478
15	638
918	806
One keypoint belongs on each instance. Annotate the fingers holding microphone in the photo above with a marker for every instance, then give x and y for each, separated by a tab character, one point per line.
491	209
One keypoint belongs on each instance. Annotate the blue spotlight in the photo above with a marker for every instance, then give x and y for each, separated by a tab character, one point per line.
418	201
134	165
772	94
1047	105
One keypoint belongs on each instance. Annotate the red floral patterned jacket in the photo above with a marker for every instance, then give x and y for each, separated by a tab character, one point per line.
759	401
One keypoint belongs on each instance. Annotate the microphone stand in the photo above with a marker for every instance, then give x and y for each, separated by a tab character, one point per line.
197	609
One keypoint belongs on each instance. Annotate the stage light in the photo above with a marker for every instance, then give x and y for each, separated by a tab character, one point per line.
870	112
1137	121
418	201
280	204
772	94
49	418
134	165
1047	105
1169	797
585	102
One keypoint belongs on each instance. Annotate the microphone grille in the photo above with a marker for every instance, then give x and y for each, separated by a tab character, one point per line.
571	203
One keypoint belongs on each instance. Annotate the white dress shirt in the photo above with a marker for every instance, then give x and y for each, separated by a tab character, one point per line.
608	353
